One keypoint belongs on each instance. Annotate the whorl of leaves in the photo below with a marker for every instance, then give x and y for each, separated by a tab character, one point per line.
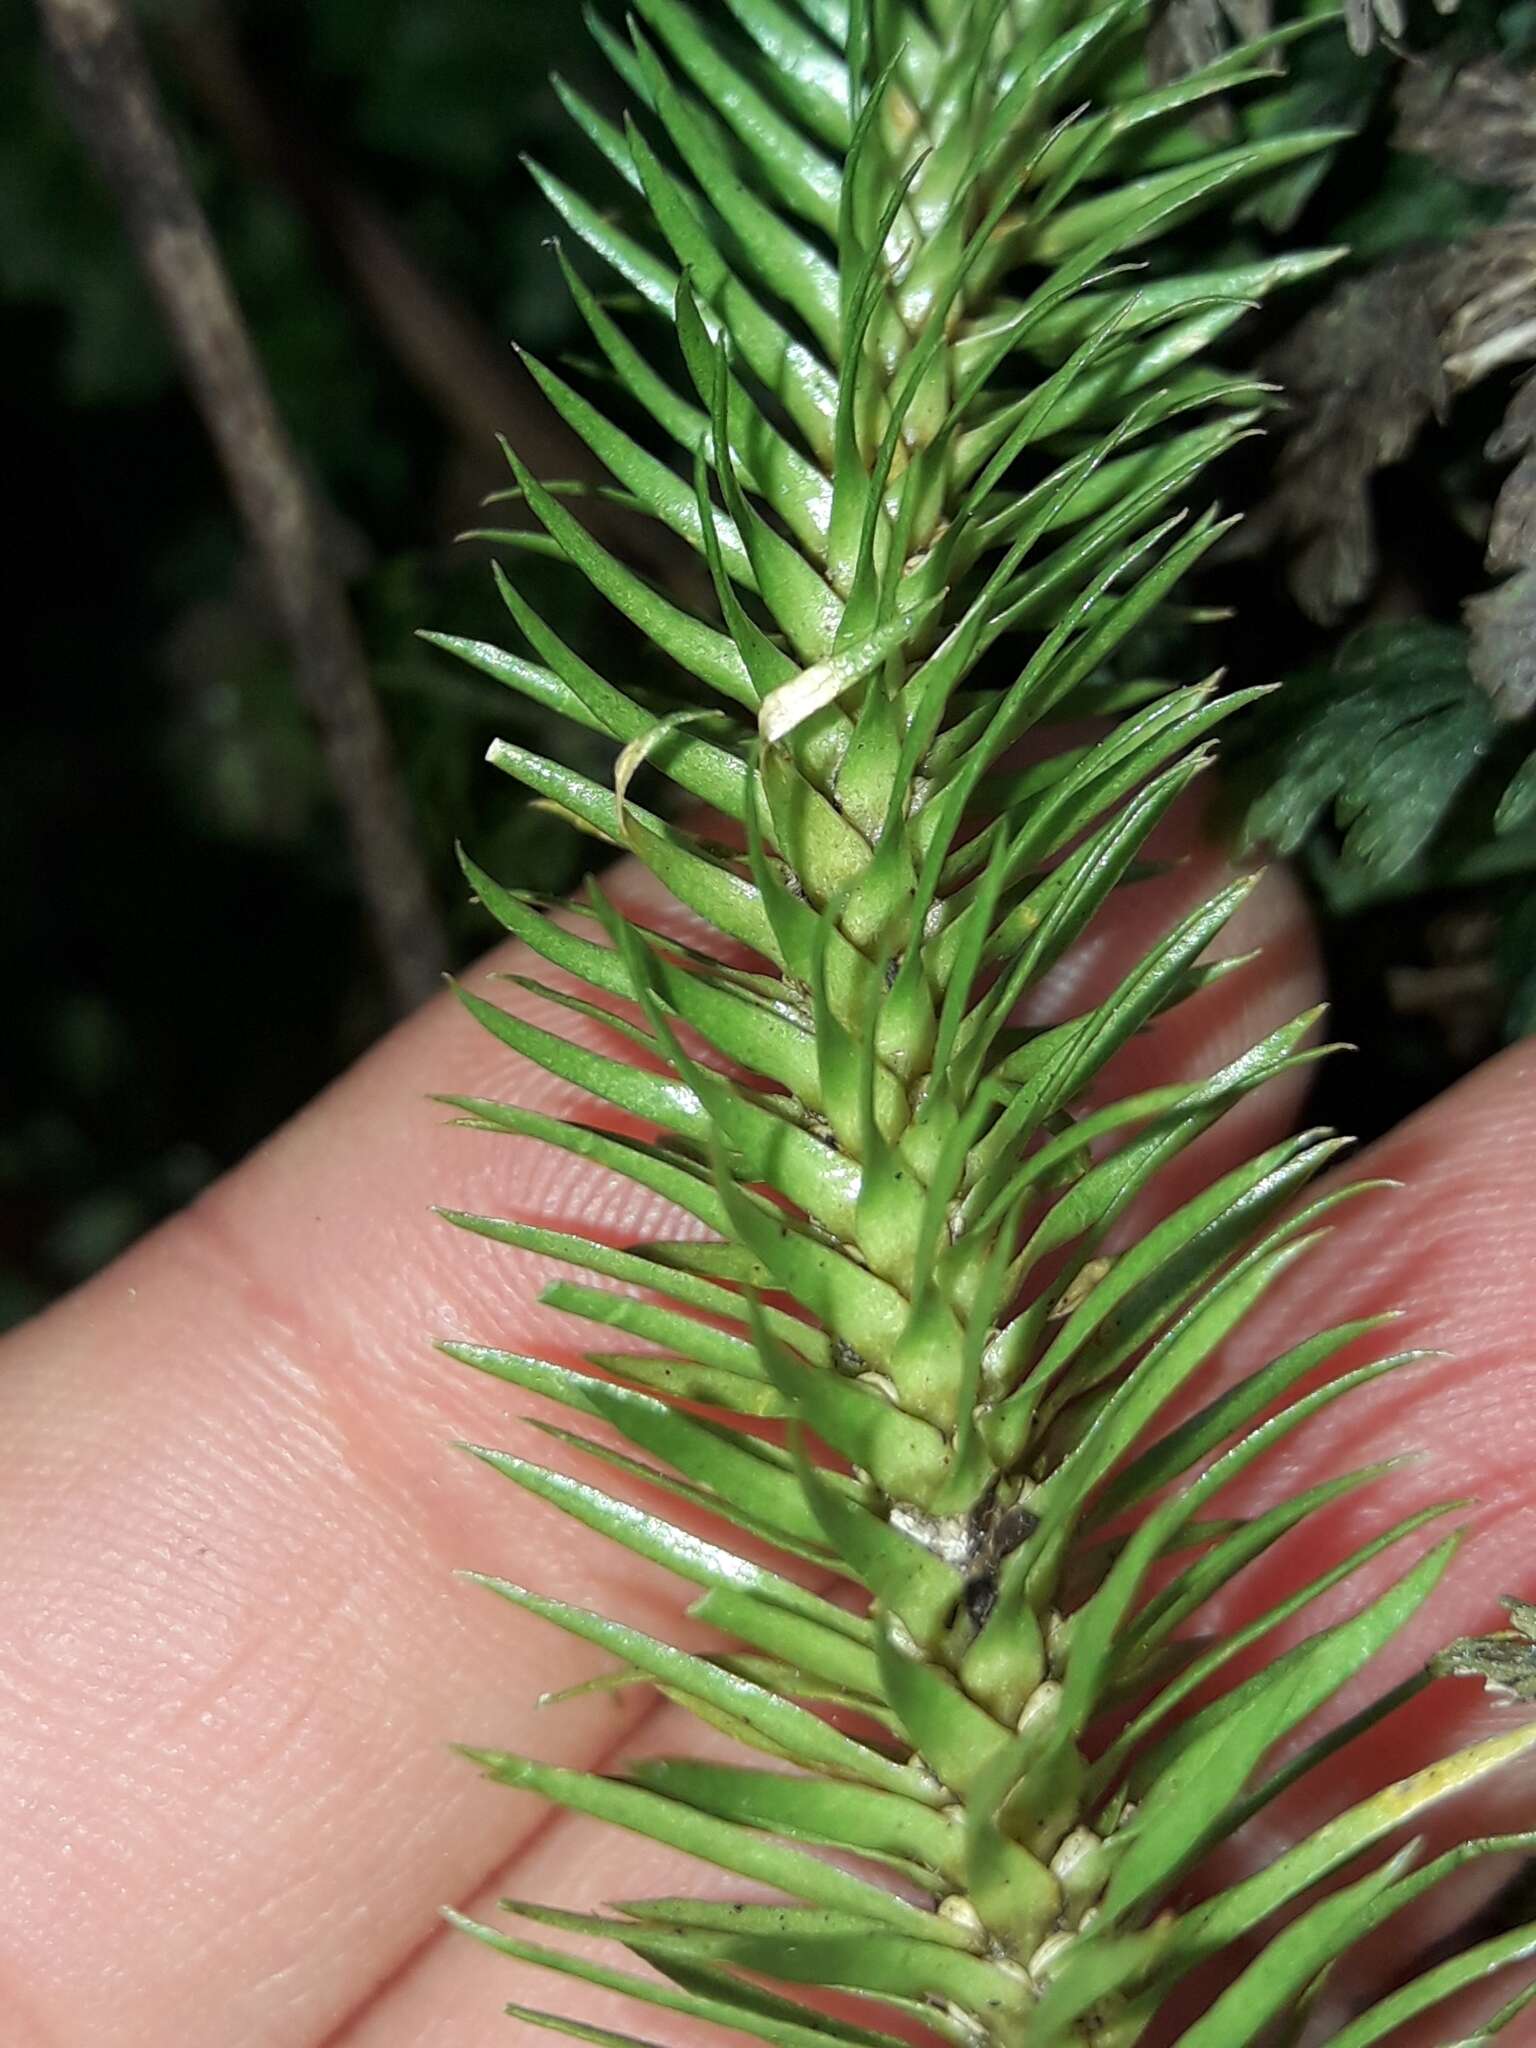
891	288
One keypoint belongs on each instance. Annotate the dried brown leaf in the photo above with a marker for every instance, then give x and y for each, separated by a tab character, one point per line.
1386	353
1502	653
1505	1661
1479	124
1363	373
1486	298
1512	532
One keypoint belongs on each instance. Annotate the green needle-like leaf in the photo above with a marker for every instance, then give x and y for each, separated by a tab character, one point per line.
915	365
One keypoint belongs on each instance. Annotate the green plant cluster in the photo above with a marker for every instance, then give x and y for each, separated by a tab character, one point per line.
902	293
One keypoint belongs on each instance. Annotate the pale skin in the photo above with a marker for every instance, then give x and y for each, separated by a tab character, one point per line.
232	1648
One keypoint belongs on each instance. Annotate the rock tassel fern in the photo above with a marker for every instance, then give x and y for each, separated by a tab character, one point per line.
939	396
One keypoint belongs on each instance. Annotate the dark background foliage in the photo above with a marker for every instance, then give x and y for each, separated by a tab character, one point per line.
184	956
183	952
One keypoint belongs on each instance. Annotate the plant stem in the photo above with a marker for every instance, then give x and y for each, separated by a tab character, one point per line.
117	110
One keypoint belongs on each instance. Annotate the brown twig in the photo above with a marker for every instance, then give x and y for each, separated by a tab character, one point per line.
476	385
117	110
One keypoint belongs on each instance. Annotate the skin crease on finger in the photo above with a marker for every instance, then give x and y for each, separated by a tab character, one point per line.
231	1652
